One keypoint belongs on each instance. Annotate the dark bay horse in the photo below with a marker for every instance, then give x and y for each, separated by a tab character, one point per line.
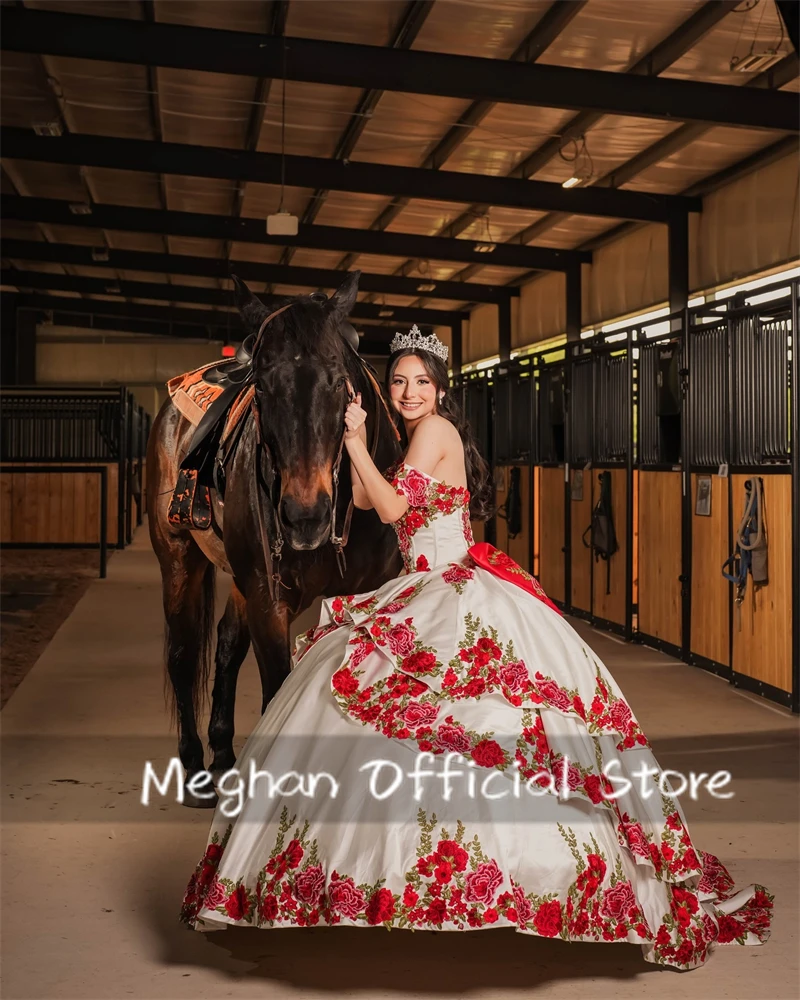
281	484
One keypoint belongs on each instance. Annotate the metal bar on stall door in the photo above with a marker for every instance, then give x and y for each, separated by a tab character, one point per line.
121	461
727	357
533	454
794	376
687	414
567	549
629	462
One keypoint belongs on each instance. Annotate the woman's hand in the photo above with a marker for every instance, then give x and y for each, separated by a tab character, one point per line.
355	421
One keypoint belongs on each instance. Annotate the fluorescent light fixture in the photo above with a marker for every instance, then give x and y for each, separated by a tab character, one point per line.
484	247
113	289
427	287
48	128
488	363
656	330
635	320
698	300
80	208
572	182
100	254
776	293
386	313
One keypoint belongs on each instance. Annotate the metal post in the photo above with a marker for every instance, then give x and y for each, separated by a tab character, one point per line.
574	306
678	243
456	348
794	376
629	470
504	328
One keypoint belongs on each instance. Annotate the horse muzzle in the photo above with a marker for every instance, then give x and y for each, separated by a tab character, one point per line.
306	526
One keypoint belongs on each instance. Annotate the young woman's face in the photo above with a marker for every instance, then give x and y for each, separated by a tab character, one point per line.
412	391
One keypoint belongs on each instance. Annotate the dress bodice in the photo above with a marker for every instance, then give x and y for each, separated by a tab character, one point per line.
435	530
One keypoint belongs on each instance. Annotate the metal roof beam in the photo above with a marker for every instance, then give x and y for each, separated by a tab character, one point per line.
249	270
247	230
45	281
337	175
407	71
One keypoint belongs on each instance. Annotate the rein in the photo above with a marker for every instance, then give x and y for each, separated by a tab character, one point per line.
273	551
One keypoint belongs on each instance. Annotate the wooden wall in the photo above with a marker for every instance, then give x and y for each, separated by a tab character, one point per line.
710	590
518	548
550	508
659	504
612	606
762	648
581	556
55	507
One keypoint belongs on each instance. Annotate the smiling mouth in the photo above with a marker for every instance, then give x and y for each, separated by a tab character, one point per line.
410	406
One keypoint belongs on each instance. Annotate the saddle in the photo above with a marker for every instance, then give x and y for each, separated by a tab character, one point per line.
214	399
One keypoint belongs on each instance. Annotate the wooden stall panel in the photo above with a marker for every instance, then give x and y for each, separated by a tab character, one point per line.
518	548
660	555
40	507
581	556
762	648
611	606
551	532
710	590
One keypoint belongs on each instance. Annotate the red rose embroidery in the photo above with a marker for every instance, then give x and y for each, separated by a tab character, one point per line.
637	841
488	753
309	884
400	639
294	853
419	663
361	652
514	675
450	850
380	907
554	695
620	716
453	738
548	919
213	853
344	682
215	896
237	904
415	488
483	883
422	564
346	898
617	900
593	788
523	906
420	714
269	907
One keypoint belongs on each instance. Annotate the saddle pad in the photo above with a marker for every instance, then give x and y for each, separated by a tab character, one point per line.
192	395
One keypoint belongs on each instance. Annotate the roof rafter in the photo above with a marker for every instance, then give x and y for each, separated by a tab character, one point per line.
212	267
246	230
46	281
308	171
407	71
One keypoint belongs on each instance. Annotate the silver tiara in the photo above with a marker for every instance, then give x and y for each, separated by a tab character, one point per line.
416	340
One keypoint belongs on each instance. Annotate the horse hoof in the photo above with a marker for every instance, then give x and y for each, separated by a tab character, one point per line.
195	802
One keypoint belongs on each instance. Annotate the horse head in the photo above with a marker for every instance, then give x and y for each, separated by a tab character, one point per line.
303	361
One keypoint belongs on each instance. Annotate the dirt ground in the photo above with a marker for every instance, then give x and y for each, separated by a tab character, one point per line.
38	590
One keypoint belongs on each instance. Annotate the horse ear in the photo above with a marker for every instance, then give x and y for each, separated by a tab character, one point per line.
342	301
252	309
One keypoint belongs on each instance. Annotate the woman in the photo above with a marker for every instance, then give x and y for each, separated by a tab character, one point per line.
469	752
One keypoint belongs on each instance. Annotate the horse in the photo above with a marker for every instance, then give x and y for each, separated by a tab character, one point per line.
280	529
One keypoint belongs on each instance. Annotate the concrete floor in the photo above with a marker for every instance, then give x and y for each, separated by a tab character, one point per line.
92	881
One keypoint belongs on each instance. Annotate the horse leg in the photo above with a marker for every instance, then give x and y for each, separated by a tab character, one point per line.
189	594
233	642
269	628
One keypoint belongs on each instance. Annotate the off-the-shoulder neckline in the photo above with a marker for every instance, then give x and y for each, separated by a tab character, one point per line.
433	479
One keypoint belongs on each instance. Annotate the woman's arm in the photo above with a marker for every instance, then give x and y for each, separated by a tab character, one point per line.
426	451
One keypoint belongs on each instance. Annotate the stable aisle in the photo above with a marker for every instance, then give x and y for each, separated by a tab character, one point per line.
92	880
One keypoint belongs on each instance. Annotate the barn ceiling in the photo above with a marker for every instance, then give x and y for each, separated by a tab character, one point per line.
409	137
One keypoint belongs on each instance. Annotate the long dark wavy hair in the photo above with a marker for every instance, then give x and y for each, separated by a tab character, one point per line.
479	479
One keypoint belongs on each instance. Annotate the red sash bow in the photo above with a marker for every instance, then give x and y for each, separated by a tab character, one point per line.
503	566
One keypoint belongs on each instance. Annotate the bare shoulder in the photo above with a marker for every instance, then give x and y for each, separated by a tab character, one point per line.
437	428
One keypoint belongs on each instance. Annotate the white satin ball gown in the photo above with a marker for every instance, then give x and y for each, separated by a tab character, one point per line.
462	663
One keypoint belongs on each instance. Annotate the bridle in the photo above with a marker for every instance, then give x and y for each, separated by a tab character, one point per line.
273	549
